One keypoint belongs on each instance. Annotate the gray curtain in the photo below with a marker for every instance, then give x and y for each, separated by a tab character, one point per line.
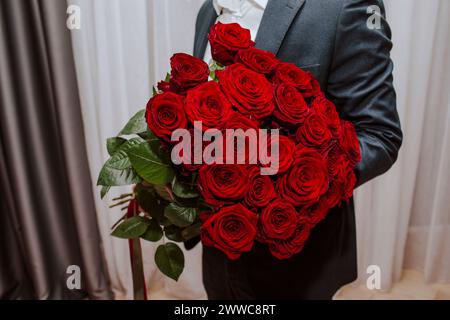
47	213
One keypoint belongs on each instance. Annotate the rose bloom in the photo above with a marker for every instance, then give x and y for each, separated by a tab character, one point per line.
208	104
278	221
290	108
349	183
163	86
290	74
314	132
334	194
258	60
284	249
222	184
232	230
226	40
337	161
316	212
165	113
238	121
306	180
248	91
342	172
286	149
261	190
326	108
187	72
349	142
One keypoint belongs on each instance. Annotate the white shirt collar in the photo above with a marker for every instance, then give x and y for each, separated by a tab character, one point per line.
235	5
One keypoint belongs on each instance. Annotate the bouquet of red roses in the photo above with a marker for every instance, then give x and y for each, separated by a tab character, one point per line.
246	149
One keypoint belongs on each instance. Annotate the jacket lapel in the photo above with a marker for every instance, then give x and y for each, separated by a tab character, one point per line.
201	37
277	18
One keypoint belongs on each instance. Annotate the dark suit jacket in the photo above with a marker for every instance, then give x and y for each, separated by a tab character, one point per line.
331	39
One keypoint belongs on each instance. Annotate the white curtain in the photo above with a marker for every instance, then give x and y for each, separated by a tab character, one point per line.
403	217
123	48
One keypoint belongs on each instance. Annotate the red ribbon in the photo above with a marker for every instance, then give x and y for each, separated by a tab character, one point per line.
137	266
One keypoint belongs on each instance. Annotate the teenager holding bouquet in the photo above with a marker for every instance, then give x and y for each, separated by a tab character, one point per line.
330	39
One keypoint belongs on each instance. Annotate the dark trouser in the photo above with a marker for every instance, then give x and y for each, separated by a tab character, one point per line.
327	262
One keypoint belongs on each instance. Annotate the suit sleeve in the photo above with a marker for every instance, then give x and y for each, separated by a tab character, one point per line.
361	85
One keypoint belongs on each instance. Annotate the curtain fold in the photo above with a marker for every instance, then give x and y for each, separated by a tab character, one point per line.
403	217
121	50
48	218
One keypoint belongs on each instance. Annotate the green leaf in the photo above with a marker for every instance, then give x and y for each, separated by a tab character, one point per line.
153	140
113	144
213	76
183	189
173	233
170	260
154	91
149	202
164	192
104	191
131	228
154	232
191	231
165	222
167	79
117	170
149	165
180	216
136	124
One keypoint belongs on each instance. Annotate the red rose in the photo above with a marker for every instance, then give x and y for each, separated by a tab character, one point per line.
258	60
284	249
238	121
290	107
226	40
349	183
290	74
314	132
187	72
250	92
208	104
165	113
342	172
163	86
337	162
286	149
349	142
334	194
278	221
326	108
313	90
306	180
232	230
261	190
316	212
222	184
188	168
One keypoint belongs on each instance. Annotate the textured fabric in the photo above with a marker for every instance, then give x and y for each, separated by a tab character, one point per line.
353	65
47	217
